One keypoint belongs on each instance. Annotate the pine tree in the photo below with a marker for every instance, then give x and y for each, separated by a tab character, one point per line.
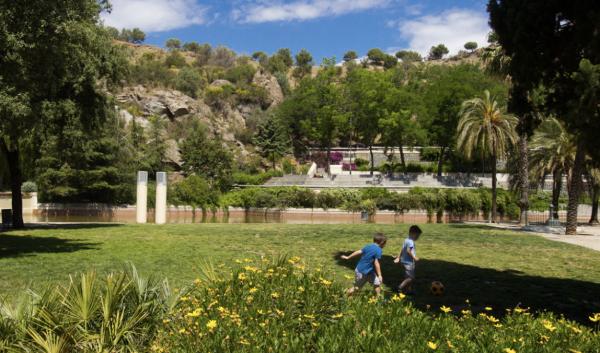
272	140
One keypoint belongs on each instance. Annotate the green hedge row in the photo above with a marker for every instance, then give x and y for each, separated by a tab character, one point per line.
241	178
455	201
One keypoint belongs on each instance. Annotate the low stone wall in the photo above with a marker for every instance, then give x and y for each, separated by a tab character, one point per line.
30	202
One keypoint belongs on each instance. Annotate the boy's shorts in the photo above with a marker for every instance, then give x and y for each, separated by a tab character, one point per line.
409	270
360	279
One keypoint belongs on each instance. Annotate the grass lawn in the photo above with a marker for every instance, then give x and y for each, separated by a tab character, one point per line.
490	267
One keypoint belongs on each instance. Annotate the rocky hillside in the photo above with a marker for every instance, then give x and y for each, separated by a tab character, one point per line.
222	107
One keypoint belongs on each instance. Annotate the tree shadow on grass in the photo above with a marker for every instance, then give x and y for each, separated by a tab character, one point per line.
72	225
486	287
27	245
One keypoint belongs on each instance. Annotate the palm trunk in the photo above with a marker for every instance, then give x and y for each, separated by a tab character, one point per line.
441	161
16	179
575	190
595	199
523	179
494	191
372	160
594	189
556	190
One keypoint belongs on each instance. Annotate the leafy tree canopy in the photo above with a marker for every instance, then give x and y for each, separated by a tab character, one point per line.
437	52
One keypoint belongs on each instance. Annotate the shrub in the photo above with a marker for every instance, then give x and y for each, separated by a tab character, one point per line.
336	157
368	206
175	59
374	193
242	74
360	162
118	313
327	199
189	81
241	178
348	166
216	95
253	94
462	202
430	154
288	166
283	82
411	168
295	197
196	192
151	71
29	187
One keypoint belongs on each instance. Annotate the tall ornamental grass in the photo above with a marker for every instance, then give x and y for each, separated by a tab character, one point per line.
119	312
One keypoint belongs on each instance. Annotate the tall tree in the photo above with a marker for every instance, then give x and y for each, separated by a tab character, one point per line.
546	42
437	52
376	56
497	63
54	54
207	157
401	127
286	57
594	188
471	46
272	140
584	90
485	127
408	56
350	56
173	44
366	93
444	91
304	63
330	116
155	148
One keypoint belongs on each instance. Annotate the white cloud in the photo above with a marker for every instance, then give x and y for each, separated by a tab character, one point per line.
453	28
155	15
301	10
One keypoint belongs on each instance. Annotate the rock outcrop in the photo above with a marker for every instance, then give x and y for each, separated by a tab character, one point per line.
269	82
181	111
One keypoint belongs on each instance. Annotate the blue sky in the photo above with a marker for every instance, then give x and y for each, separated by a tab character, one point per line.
326	28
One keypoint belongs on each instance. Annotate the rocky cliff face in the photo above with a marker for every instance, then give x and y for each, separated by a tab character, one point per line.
180	111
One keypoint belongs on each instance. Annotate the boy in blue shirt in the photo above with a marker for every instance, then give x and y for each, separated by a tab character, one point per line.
408	258
368	268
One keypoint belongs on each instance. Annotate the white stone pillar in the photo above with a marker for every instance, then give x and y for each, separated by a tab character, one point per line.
160	209
141	206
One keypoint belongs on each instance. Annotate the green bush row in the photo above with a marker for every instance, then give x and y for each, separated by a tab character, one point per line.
241	178
460	202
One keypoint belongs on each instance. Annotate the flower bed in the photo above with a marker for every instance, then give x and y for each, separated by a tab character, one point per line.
280	307
267	306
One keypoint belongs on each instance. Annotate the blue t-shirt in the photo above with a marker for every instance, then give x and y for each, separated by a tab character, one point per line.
409	246
370	253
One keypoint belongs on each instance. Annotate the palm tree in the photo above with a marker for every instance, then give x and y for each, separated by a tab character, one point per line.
552	152
594	187
497	63
485	127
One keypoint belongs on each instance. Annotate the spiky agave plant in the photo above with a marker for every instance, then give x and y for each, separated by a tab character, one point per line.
117	313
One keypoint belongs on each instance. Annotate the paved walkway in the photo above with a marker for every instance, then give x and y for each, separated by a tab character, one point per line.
587	236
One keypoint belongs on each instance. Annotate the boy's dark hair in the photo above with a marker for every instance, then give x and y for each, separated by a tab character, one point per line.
415	230
379	238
